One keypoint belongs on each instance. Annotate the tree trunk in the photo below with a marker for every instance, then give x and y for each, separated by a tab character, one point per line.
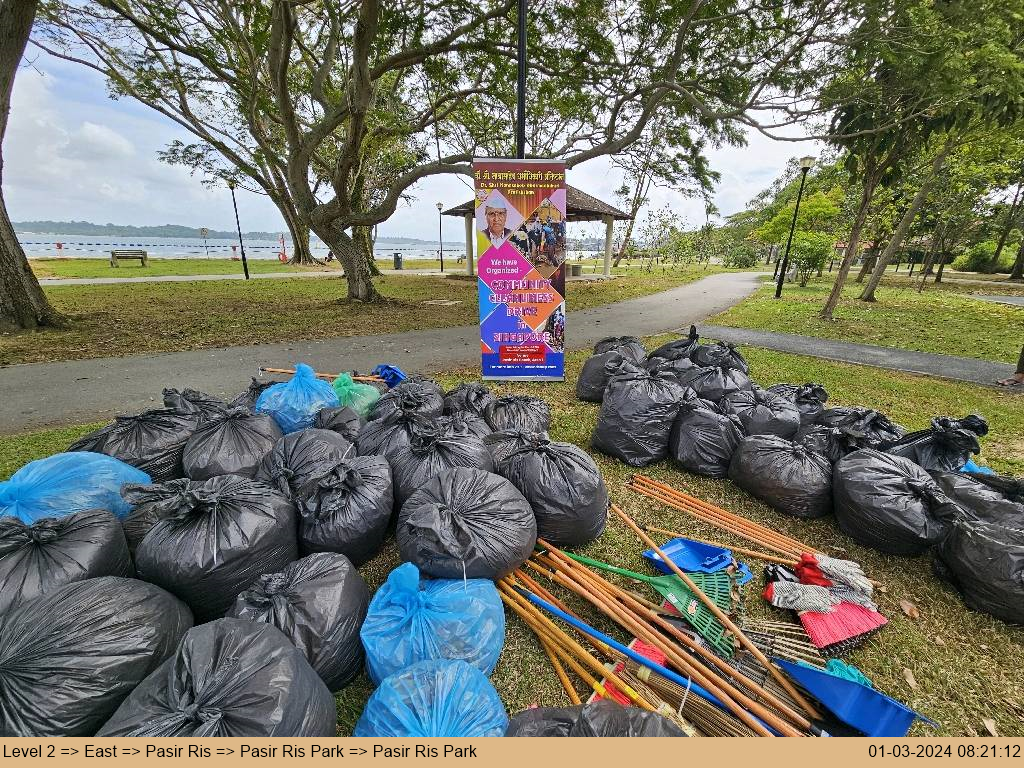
868	294
22	302
942	266
869	264
301	252
363	237
851	247
1018	266
929	259
353	261
1014	208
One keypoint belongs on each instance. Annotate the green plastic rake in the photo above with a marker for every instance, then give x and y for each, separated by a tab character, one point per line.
717	586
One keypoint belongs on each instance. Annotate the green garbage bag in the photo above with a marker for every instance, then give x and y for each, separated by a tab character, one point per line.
359	397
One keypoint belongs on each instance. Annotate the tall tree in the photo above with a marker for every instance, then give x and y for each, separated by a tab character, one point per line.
22	302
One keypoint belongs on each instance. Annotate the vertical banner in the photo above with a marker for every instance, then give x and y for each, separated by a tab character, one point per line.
520	236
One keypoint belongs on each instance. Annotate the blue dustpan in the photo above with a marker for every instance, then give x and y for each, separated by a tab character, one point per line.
859	706
695	557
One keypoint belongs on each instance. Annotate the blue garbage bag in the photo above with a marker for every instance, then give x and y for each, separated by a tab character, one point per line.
434	698
411	621
392	375
294	404
970	466
66	483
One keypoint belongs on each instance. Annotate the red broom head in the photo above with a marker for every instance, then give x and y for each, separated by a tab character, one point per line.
844	623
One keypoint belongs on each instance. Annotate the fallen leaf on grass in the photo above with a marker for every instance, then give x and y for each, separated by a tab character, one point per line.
909	677
939	641
990	726
910	609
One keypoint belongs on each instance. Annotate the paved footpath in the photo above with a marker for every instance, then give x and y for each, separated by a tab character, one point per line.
944	366
47	394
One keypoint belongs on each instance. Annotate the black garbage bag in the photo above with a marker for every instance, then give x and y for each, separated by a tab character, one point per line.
151	504
889	503
224	533
379	436
522	412
420	395
683	347
193	401
466	523
469	397
945	446
628	346
809	399
598	718
229	678
715	383
37	558
299	457
719	355
831	442
990	498
252	393
704	437
233	443
985	562
676	368
876	427
319	602
342	419
463	423
763	413
348	509
787	476
637	415
431	452
502	443
596	371
70	657
564	487
153	441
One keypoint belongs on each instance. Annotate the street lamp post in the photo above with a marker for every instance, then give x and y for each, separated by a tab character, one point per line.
440	236
805	166
234	203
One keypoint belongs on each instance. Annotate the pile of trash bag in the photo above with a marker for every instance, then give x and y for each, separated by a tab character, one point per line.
788	476
831	442
229	678
431	452
190	400
319	602
629	346
463	423
601	718
704	437
946	446
876	427
355	395
466	523
347	509
343	420
419	395
680	348
991	498
66	483
295	403
71	656
152	441
231	443
761	412
302	456
985	562
469	397
808	398
719	355
564	487
37	558
593	379
714	382
520	412
636	415
439	697
889	503
248	398
502	443
379	436
412	619
219	536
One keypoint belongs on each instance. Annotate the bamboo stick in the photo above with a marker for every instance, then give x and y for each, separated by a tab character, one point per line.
560	672
737	550
722	617
324	376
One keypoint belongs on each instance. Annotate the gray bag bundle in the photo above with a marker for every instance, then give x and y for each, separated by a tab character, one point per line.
342	419
985	562
229	678
467	523
431	452
946	445
379	436
564	487
152	441
594	377
763	413
719	355
193	401
319	603
877	428
628	346
704	437
787	476
599	718
714	383
37	558
991	498
463	423
469	397
222	535
232	443
831	442
674	350
501	444
70	657
301	456
419	395
522	412
637	415
252	393
809	399
348	509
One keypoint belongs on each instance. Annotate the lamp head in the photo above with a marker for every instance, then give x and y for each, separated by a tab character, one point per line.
231	184
806	162
439	207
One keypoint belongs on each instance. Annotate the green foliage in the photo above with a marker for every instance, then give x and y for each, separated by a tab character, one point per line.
978	258
818	213
809	252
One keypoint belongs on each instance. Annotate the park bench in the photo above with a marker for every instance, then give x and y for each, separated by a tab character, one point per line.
128	254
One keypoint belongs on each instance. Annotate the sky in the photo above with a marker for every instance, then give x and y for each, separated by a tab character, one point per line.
73	153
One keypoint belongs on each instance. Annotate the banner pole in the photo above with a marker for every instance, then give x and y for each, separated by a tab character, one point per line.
521	85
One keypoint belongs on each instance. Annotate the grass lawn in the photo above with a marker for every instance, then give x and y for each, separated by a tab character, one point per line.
966	665
126	319
943	319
